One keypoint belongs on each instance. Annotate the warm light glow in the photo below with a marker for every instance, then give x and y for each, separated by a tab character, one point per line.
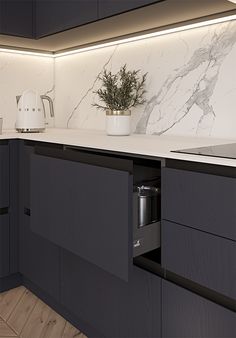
25	52
148	35
124	40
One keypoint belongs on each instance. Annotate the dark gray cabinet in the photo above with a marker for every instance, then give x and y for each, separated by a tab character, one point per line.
203	258
39	259
202	201
4	246
25	153
5	231
115	308
16	18
108	8
4	176
54	16
85	209
187	315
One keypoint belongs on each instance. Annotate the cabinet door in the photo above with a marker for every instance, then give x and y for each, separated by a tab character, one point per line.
85	209
4	176
38	259
108	8
115	308
202	201
4	246
17	17
187	315
25	154
53	16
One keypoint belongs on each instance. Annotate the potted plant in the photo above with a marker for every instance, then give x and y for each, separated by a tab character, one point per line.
119	93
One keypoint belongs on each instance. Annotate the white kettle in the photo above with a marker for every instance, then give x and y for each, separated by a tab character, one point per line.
31	116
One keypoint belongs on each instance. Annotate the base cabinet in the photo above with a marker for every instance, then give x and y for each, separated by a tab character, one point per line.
4	246
114	307
187	315
39	260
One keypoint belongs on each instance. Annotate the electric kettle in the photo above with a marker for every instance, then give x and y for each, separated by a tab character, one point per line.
31	116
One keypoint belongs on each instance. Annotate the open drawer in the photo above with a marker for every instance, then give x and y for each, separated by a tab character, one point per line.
83	202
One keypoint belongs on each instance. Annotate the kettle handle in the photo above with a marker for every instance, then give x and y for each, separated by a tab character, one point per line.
48	98
18	98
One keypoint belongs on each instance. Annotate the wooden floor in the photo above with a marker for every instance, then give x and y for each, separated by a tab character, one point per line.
24	315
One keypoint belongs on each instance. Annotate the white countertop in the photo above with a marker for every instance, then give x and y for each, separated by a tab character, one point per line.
158	146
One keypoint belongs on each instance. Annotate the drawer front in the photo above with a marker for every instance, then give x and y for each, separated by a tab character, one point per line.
113	307
85	209
202	201
4	246
4	176
187	315
39	259
205	259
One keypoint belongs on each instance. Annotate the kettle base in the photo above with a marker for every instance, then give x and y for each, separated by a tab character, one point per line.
30	130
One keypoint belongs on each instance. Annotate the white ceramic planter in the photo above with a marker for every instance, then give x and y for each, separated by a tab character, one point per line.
118	122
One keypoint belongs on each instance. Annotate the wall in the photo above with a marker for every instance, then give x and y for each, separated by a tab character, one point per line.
191	85
17	73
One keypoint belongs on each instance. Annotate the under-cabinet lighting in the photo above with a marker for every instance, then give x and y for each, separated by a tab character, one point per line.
147	35
25	52
122	40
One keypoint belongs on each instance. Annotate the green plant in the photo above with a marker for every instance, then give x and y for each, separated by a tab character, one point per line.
122	90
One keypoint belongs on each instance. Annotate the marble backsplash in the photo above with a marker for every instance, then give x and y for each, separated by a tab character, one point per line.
19	72
191	84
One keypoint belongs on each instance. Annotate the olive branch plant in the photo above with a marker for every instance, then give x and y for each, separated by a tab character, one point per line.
122	90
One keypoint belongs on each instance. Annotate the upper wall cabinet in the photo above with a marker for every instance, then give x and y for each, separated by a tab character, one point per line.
58	15
111	7
16	18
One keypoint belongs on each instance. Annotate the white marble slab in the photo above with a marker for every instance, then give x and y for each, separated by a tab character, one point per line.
191	85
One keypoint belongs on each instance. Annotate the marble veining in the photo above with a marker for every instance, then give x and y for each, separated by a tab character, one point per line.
90	89
206	60
191	85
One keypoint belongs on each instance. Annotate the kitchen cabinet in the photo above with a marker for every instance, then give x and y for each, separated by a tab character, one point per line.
203	201
84	208
187	315
4	246
4	209
108	8
115	308
16	18
201	257
38	258
54	16
4	175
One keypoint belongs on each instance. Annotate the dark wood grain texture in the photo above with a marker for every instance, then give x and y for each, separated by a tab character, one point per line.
187	315
205	259
16	17
202	201
85	209
4	246
54	16
114	307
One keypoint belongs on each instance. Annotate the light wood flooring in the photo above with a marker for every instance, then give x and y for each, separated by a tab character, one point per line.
24	315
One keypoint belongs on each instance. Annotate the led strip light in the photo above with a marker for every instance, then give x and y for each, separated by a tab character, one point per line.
124	40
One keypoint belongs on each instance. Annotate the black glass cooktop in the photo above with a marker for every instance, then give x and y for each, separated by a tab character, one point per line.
222	150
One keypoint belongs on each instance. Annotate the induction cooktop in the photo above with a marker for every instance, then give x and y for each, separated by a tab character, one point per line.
222	150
